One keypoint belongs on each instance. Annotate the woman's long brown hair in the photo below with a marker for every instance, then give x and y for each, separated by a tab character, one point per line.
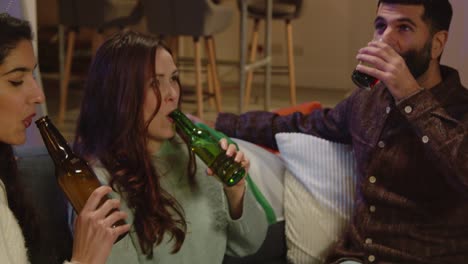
112	129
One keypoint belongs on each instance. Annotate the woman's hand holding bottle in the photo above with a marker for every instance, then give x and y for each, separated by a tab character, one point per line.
235	193
95	232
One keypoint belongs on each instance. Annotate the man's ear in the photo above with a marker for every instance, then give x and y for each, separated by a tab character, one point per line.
438	43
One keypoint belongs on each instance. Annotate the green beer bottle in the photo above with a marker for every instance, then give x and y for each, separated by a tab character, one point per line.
208	150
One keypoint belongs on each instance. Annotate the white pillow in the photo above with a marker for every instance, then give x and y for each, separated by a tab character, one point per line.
267	172
319	193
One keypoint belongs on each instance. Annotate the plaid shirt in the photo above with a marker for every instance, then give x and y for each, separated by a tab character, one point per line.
412	196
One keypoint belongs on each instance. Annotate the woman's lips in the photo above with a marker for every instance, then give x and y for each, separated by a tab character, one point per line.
27	121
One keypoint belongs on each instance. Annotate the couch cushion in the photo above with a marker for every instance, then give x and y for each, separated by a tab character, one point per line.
272	251
37	175
304	108
319	194
267	172
263	156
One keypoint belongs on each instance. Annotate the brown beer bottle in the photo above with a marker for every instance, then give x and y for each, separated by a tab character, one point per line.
76	179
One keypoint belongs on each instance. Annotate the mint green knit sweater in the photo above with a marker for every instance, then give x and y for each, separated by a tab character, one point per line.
211	233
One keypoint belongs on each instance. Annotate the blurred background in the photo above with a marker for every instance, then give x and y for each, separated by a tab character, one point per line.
326	35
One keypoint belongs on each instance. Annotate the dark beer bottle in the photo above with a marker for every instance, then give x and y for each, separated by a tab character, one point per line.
208	149
76	179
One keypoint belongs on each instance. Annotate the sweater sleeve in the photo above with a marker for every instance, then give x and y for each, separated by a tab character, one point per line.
246	234
260	127
126	249
444	135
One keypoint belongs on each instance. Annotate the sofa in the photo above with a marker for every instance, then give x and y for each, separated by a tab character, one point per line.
309	184
36	171
316	193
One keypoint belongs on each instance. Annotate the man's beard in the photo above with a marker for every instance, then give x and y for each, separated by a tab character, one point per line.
418	60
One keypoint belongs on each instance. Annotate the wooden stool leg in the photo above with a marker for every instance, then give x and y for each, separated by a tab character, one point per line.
210	77
66	77
292	70
253	55
214	71
174	46
198	78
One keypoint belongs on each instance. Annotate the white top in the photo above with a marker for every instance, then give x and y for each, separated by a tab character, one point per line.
12	247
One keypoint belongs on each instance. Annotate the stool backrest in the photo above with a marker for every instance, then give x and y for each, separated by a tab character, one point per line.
97	13
299	4
181	17
76	13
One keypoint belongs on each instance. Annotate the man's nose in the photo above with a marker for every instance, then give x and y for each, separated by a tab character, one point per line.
389	37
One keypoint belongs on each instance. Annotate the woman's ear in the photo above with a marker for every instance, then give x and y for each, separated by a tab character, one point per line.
438	43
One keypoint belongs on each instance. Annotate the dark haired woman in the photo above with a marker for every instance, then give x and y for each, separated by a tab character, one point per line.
19	94
178	213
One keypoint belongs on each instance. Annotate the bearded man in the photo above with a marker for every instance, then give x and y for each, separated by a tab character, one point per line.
409	136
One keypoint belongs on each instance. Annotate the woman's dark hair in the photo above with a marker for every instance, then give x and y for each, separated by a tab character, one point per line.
12	31
111	128
437	13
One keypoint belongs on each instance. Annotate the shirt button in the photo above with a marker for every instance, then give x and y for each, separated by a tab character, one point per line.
408	109
371	258
425	139
372	179
372	208
368	241
381	144
388	109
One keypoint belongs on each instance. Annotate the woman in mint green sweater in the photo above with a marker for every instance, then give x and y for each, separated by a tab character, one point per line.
179	212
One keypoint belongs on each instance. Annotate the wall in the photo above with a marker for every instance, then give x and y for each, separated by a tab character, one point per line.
327	37
456	51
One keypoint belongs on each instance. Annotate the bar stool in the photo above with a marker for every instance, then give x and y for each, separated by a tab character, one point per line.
194	18
98	15
286	10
